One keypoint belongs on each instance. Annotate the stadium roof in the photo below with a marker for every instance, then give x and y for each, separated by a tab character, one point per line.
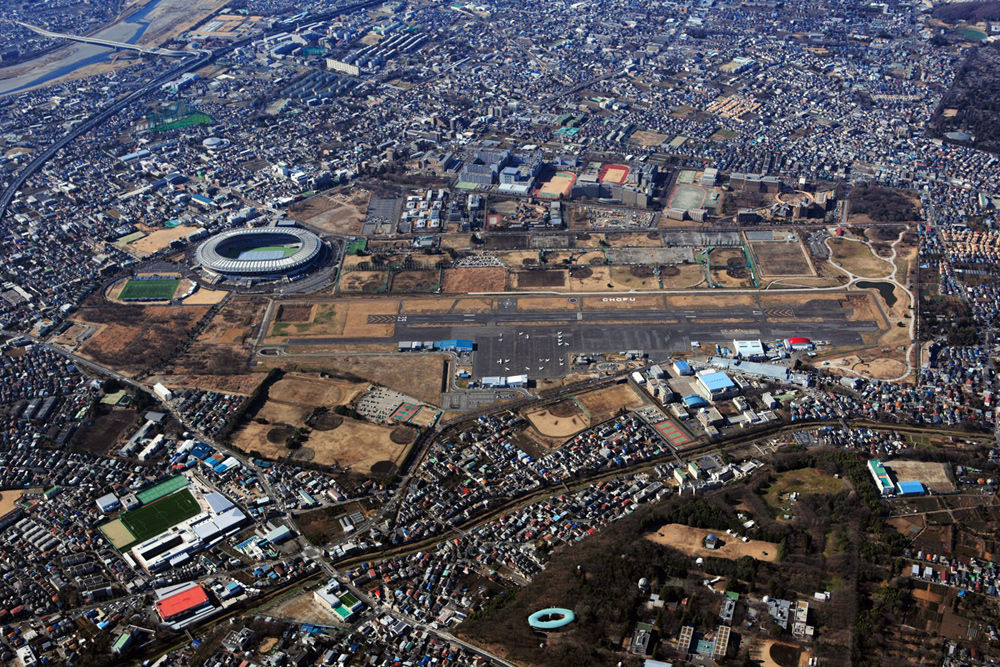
208	254
179	603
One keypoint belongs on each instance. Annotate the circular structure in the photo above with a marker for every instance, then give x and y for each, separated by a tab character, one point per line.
260	252
552	618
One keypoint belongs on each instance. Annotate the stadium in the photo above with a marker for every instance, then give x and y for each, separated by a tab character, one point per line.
260	252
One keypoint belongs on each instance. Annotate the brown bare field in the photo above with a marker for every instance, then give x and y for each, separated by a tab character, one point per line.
634	239
243	383
343	215
518	258
134	338
367	282
590	279
722	256
590	258
415	281
723	277
417	375
456	241
326	319
562	420
158	239
540	279
8	499
352	261
480	305
630	302
857	258
222	348
205	297
602	404
353	444
313	391
713	300
688	275
690	540
304	609
589	240
294	312
647	138
544	304
426	305
474	279
933	475
634	277
777	258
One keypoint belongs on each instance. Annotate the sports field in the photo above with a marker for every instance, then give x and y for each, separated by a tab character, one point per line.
674	435
687	197
151	520
614	173
560	185
263	252
150	290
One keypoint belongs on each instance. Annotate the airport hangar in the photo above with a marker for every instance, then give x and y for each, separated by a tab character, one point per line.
263	253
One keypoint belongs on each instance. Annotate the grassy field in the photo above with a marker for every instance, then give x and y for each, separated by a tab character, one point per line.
857	258
151	520
803	481
150	290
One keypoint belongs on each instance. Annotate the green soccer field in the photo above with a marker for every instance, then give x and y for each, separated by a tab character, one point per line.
151	520
150	290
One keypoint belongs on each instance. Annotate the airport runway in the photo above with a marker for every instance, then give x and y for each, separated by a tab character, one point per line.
542	344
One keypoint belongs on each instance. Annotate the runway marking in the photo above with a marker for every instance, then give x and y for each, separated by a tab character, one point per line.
382	319
785	312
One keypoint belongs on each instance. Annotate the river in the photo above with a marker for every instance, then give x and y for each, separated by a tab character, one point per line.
77	55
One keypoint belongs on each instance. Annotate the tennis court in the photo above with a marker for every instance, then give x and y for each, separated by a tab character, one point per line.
673	433
405	412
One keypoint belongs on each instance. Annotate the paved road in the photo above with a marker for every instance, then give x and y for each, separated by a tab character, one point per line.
153	50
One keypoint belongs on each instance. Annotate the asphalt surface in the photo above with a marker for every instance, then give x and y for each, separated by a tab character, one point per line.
541	344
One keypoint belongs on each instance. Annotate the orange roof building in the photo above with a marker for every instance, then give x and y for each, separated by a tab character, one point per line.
187	601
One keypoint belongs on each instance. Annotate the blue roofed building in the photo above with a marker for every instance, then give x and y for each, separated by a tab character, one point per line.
715	385
911	488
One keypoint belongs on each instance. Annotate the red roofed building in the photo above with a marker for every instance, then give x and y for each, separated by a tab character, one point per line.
181	604
798	343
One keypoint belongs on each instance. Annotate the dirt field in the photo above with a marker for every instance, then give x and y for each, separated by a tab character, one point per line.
415	281
117	533
590	279
8	499
343	213
933	476
313	391
353	444
540	279
109	428
634	240
132	338
857	258
714	300
634	277
367	282
205	297
777	258
417	375
562	420
682	276
689	540
646	138
159	239
602	404
304	609
474	279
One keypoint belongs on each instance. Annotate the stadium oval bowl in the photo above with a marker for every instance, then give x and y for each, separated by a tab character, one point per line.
213	255
552	618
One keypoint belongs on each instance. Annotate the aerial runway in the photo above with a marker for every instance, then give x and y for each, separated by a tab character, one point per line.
540	344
